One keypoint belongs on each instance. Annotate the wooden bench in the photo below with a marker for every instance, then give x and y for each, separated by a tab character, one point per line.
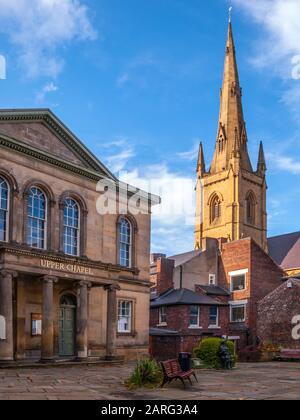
290	354
172	372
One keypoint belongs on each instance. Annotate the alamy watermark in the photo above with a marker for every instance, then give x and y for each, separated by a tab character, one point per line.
296	329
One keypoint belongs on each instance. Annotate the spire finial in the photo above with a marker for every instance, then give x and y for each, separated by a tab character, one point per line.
230	12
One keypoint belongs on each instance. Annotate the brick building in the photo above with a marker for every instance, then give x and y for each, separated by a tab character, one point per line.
216	303
74	281
278	314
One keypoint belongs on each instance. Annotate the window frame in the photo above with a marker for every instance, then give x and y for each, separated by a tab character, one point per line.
235	305
198	325
216	325
78	229
235	274
212	280
130	244
128	317
7	210
160	320
45	220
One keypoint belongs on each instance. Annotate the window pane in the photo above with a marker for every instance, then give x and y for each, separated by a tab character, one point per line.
36	218
238	314
71	227
3	209
194	316
238	283
125	243
124	316
213	315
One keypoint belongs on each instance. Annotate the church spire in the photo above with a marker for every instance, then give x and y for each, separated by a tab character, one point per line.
201	161
261	164
232	128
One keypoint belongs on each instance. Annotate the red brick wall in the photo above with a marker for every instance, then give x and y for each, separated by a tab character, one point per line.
275	314
263	277
165	270
178	320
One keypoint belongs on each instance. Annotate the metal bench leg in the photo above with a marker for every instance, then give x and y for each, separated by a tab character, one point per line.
195	377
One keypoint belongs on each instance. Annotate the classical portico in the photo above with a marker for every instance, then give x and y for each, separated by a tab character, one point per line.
53	280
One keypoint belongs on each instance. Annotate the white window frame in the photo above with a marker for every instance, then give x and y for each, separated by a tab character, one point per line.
198	325
238	304
130	243
120	302
160	321
45	220
216	326
7	211
211	279
238	273
78	229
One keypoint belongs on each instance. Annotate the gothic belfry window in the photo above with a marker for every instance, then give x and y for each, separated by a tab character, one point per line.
215	209
250	208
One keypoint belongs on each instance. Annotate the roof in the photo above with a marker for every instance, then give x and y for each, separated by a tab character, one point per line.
184	297
93	168
181	259
214	290
285	250
161	331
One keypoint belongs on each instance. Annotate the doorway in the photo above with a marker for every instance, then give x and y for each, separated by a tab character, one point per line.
67	326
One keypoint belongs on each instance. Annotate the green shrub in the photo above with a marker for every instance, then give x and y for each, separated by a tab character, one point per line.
147	373
208	352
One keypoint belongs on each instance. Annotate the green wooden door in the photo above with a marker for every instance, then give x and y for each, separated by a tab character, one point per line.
67	316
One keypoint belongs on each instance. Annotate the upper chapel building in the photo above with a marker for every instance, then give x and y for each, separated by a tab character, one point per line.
74	281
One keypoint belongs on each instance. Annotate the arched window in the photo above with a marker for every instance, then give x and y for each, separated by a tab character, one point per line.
4	209
125	235
71	241
36	218
215	209
250	208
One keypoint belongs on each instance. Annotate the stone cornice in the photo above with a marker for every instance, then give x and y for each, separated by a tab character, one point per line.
47	118
61	258
30	151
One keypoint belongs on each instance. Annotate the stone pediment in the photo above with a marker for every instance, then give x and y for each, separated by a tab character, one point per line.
41	129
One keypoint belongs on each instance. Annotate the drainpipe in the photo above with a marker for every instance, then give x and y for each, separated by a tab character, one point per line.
181	277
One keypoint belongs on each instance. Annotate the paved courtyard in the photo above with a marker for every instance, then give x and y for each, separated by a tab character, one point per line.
248	381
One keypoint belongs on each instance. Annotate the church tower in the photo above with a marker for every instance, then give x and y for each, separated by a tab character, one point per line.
231	196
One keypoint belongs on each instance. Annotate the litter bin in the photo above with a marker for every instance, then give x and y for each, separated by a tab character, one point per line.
185	361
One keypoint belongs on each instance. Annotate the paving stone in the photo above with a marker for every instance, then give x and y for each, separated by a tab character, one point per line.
248	382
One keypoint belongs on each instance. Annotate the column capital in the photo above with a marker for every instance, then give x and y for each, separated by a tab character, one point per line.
112	287
82	284
49	279
8	273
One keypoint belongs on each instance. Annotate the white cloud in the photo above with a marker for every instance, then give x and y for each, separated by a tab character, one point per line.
38	28
117	154
173	220
284	163
48	88
191	154
281	22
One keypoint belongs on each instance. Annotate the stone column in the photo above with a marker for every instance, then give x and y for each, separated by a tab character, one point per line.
111	332
82	321
6	316
21	320
47	318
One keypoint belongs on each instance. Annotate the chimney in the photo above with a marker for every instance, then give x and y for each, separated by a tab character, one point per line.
165	271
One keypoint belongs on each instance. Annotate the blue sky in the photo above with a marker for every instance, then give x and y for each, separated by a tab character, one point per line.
138	81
